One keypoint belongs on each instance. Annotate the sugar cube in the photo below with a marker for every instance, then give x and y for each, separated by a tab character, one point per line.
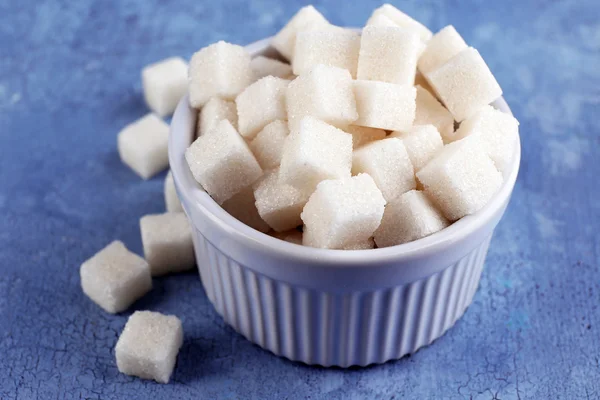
278	203
384	105
219	70
214	111
172	202
380	20
164	84
333	46
222	162
430	111
267	146
167	240
408	217
264	66
143	146
388	54
342	212
291	236
114	277
314	152
403	21
362	135
464	84
325	93
422	143
461	178
242	207
364	245
498	131
388	163
307	18
442	47
260	104
148	345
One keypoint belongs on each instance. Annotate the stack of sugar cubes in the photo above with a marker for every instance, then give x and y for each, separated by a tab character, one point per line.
339	149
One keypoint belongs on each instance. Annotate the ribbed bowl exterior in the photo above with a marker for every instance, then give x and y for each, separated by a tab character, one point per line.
337	329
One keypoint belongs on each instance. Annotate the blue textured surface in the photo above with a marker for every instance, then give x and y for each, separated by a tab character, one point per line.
69	80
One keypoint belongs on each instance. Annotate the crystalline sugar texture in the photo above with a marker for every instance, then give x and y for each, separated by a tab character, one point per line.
222	162
307	18
342	212
465	84
388	163
219	70
409	217
461	179
315	152
114	277
325	93
148	345
388	54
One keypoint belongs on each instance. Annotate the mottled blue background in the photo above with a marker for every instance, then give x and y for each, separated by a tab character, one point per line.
69	80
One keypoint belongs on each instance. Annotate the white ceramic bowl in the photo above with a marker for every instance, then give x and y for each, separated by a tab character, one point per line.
333	307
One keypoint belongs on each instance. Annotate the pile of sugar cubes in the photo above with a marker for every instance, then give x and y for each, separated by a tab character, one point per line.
347	141
352	145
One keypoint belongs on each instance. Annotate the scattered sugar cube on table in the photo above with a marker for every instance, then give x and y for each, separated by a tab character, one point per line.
307	18
268	144
325	93
278	203
167	241
260	104
388	163
403	21
143	146
362	135
221	161
332	46
465	84
430	111
461	179
214	111
442	47
388	54
242	207
172	202
422	143
314	152
342	212
384	105
148	345
408	217
114	278
219	70
264	66
498	131
164	84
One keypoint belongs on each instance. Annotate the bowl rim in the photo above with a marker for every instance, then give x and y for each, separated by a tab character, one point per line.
192	193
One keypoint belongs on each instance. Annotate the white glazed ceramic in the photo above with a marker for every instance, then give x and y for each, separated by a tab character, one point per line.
333	307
